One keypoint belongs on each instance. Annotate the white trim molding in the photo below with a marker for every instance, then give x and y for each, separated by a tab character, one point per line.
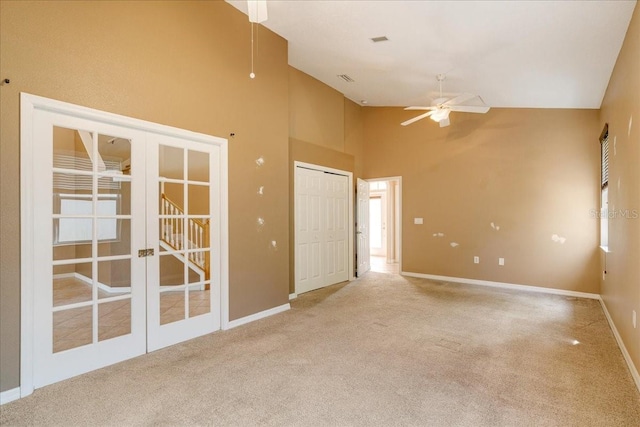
9	395
397	178
503	285
27	205
258	316
293	296
623	349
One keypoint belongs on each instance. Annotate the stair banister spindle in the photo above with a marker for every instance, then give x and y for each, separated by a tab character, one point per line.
164	220
191	225
173	227
180	238
200	244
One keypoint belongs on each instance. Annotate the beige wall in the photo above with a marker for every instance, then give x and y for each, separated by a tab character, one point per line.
533	173
183	64
325	129
621	110
354	135
316	111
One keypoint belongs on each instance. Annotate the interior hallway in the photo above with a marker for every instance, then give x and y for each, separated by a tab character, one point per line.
379	264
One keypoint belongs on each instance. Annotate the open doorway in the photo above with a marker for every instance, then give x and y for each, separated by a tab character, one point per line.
384	224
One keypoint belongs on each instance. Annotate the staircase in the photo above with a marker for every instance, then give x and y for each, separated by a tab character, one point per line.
184	234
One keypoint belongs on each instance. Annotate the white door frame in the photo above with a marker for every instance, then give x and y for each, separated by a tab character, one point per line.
362	244
399	218
350	218
29	104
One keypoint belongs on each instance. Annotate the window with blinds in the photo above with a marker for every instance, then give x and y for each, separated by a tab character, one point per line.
604	181
604	157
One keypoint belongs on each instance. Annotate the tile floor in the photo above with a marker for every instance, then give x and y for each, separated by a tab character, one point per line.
379	264
74	327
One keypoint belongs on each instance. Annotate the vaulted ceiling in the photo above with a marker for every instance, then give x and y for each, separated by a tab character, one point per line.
540	54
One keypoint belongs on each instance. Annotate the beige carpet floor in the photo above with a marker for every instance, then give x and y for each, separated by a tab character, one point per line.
381	351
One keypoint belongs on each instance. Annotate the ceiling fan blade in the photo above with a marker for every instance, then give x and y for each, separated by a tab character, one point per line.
421	108
460	99
469	108
415	119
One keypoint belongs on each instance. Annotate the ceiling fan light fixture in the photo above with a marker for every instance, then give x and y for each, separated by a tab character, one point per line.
440	114
257	10
441	108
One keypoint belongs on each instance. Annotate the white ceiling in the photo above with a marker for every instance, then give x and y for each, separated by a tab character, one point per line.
541	54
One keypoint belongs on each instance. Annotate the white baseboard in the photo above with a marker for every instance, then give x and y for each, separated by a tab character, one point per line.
293	296
9	395
623	349
258	316
503	285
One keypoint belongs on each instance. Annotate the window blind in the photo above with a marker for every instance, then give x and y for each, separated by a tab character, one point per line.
604	171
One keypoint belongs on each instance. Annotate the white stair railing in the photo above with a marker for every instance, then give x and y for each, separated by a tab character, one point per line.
172	232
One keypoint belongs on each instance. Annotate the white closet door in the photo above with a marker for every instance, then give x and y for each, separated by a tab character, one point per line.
335	228
309	231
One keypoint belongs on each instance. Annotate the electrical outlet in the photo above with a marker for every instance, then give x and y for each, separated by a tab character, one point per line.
476	260
417	221
634	319
500	261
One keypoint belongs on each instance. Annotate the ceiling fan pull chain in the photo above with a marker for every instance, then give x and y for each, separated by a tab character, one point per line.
252	74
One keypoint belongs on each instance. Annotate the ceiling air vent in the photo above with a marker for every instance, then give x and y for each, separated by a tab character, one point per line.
346	78
379	39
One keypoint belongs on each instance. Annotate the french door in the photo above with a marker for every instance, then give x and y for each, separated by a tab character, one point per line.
126	240
183	297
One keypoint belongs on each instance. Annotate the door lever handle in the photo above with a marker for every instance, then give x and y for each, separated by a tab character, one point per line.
145	253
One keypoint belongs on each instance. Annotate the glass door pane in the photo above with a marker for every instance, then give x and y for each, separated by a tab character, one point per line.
184	194
183	188
91	237
73	284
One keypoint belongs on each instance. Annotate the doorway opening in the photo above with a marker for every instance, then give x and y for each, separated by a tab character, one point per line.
385	235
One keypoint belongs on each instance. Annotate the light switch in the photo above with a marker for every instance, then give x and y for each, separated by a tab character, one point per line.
417	220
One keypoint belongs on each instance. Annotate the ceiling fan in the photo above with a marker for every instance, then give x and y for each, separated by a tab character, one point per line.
441	107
